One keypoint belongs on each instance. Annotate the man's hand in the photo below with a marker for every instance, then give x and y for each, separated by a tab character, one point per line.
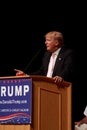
19	72
57	79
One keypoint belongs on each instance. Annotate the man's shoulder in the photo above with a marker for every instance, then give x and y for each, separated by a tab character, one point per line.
67	50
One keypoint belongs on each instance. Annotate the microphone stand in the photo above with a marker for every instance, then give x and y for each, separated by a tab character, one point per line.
32	59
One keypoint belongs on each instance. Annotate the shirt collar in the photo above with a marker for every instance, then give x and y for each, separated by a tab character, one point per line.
57	51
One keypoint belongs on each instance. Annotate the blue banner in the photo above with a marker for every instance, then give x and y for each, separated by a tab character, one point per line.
16	100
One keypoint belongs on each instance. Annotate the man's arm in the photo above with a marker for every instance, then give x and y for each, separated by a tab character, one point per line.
83	121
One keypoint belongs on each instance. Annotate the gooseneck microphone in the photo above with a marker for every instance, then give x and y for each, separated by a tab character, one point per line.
32	60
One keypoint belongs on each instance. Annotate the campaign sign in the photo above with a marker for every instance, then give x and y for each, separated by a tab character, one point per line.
15	100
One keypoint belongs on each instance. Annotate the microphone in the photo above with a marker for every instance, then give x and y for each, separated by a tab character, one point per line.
22	73
32	60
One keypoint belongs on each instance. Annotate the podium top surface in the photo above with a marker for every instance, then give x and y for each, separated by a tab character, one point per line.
38	78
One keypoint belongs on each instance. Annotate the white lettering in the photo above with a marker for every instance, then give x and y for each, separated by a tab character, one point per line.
10	91
14	90
26	89
3	91
18	90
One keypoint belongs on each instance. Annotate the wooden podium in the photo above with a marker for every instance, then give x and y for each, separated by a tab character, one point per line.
51	106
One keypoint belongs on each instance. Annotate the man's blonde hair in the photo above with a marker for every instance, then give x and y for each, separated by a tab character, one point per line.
55	35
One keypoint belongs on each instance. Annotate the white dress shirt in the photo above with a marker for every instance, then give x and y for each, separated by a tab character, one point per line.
85	111
52	62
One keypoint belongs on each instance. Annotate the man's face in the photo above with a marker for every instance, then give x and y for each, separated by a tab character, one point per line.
51	44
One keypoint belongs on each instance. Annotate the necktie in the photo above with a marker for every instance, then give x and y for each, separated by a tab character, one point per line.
51	65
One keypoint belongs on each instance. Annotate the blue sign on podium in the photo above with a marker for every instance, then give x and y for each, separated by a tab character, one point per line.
16	100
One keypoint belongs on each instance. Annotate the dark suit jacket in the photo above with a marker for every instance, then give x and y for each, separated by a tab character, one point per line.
65	65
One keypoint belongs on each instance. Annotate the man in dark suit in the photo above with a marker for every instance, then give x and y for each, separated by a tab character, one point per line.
64	61
62	66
